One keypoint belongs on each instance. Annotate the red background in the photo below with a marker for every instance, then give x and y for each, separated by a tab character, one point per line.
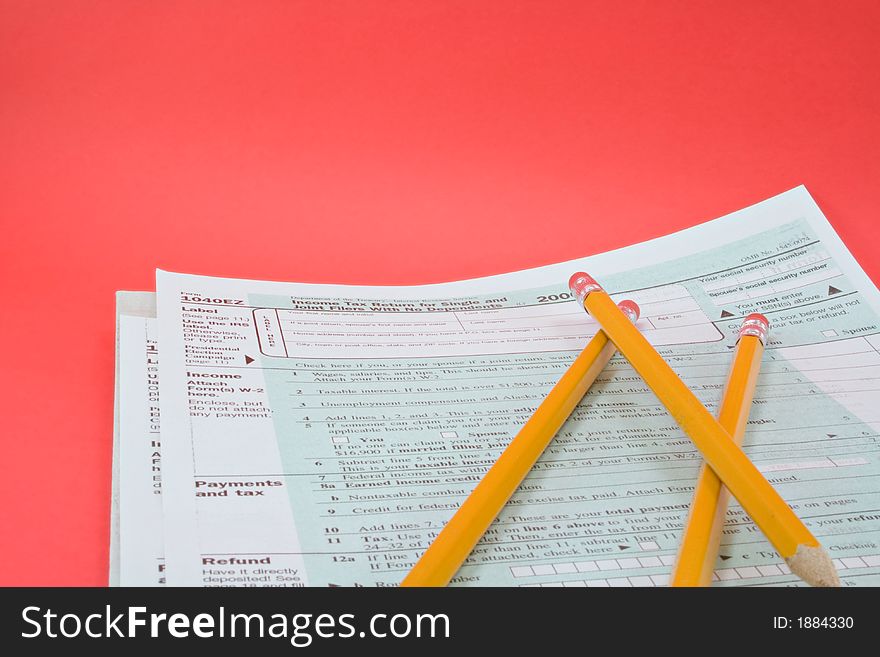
371	142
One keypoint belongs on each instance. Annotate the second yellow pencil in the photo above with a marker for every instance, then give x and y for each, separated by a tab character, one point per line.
698	551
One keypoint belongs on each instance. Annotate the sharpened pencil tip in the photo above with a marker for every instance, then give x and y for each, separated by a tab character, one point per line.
814	566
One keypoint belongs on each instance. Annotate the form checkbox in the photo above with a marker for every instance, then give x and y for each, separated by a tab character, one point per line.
647	546
339	439
853	562
619	582
829	333
872	559
660	580
771	570
726	574
449	434
641	581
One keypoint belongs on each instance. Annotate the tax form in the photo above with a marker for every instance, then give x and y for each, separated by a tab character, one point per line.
137	547
322	435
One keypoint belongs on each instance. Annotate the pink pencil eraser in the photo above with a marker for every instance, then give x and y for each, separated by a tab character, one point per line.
757	317
757	325
581	284
630	308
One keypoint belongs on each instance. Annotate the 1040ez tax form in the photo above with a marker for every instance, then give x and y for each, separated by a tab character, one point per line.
320	435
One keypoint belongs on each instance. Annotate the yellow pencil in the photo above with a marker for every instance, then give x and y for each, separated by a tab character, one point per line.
458	537
698	551
800	549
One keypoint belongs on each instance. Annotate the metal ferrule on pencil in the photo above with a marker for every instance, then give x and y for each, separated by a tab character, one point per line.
756	325
581	284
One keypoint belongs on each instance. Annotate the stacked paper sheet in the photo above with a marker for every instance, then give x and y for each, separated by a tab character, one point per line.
321	434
